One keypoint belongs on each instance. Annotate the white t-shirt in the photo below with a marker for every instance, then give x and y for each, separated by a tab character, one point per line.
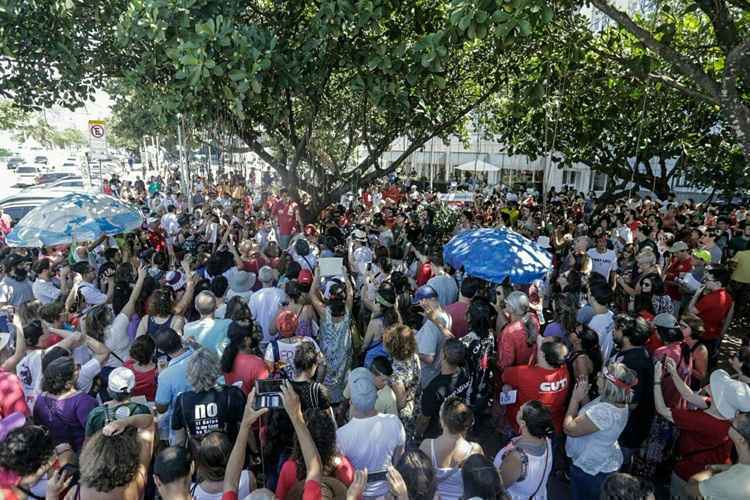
371	442
242	491
286	353
29	371
117	340
603	263
264	305
604	326
599	451
93	295
45	291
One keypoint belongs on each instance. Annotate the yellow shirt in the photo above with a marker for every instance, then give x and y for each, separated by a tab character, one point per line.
742	273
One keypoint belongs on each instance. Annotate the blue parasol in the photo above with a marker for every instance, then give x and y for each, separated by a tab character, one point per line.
496	254
76	216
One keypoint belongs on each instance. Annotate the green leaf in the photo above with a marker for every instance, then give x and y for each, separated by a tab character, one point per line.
525	27
237	75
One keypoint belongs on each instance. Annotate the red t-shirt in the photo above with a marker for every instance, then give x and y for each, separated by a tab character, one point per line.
700	431
12	398
671	394
288	476
713	309
285	214
393	193
459	324
145	382
673	272
247	368
513	348
534	382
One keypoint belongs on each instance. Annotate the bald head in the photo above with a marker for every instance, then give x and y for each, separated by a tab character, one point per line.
205	303
261	494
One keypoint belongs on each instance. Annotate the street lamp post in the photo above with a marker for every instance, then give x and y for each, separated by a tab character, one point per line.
183	169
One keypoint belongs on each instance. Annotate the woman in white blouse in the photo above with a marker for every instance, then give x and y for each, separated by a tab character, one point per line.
593	429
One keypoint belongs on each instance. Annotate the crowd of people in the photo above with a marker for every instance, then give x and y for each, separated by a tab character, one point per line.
236	346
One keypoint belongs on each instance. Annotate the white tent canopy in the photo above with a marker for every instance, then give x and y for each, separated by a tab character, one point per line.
478	166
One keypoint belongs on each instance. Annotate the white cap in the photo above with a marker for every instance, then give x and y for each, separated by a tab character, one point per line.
121	380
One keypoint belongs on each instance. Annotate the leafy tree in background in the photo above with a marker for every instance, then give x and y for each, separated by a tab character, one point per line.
11	116
316	89
570	96
701	48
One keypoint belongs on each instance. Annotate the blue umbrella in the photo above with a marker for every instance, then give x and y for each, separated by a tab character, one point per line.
76	216
496	254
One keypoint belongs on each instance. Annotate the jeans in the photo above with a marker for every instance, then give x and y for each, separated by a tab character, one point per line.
584	486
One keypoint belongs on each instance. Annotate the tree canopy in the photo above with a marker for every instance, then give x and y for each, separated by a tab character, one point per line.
571	97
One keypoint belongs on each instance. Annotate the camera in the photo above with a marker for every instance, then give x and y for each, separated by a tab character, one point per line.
268	394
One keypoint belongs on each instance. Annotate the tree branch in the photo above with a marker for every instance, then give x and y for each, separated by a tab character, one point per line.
671	56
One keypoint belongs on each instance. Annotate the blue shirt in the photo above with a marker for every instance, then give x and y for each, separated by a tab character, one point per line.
172	381
209	332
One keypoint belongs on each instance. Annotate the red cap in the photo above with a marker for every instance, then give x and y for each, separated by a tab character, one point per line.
305	277
286	323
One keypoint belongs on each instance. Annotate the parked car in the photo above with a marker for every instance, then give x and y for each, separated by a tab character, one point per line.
27	174
12	163
51	177
41	160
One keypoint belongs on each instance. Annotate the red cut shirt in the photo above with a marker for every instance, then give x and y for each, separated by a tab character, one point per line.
713	309
288	475
285	214
513	349
247	368
700	431
534	382
12	398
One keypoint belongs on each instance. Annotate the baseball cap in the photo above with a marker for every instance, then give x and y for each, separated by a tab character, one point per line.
121	380
363	390
286	323
665	320
703	255
729	396
265	274
424	292
241	281
679	246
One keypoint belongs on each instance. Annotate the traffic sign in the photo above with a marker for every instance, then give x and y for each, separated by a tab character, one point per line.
97	138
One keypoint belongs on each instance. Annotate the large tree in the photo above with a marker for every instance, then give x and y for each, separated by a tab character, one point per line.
318	89
704	50
571	99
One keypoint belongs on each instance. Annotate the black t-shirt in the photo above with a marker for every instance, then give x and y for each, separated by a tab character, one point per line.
639	420
312	395
438	391
218	409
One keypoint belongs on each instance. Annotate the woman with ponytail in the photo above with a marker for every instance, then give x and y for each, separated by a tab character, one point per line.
525	463
238	363
517	340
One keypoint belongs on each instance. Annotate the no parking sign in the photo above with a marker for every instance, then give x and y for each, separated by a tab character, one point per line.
97	138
